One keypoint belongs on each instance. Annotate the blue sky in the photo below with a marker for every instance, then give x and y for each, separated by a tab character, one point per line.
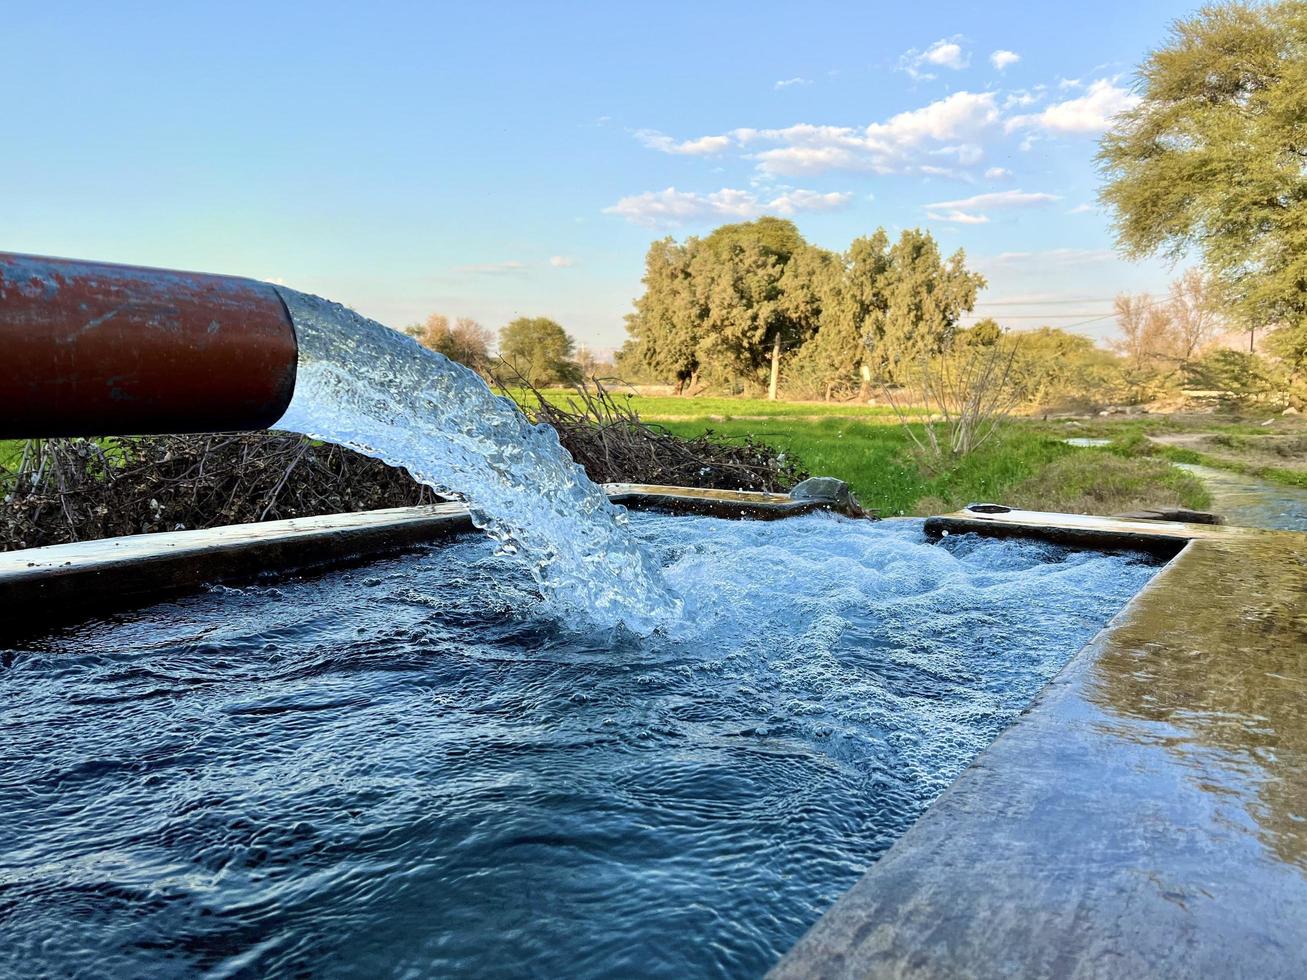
491	161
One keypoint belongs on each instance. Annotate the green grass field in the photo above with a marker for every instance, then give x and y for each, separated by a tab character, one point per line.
876	460
11	451
658	408
1026	465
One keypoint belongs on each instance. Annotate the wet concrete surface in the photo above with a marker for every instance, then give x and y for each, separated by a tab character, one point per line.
1147	817
60	583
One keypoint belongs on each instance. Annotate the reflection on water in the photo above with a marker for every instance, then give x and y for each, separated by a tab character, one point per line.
1083	442
1214	662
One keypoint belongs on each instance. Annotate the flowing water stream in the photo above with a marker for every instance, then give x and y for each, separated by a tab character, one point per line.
370	388
1250	502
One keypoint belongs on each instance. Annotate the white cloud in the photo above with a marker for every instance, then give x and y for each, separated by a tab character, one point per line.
510	268
793	202
1023	98
947	54
999	199
1002	58
958	217
952	125
947	137
1090	113
998	173
1054	256
944	53
697	147
791	82
562	261
1066	83
1082	209
972	210
673	207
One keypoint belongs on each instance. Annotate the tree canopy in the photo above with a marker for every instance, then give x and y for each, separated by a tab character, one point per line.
464	340
737	303
1212	160
540	350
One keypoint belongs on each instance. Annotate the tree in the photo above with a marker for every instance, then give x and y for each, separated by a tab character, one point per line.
1147	339
775	236
1195	315
750	295
720	302
1239	377
1056	367
464	341
982	333
924	297
1211	161
539	350
665	326
850	289
741	272
738	289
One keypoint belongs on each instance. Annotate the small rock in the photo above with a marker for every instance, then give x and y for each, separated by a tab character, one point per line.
830	491
1291	411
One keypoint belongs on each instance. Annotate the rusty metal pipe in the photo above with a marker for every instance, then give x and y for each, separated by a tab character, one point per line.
89	348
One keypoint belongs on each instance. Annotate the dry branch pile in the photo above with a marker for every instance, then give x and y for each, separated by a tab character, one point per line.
83	489
607	437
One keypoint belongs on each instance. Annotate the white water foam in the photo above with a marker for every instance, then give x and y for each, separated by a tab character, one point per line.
376	391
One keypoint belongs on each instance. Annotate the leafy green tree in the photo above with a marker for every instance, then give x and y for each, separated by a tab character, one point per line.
748	318
982	333
924	296
1055	367
749	321
1212	159
1239	377
464	340
720	303
850	291
666	325
776	237
749	295
539	350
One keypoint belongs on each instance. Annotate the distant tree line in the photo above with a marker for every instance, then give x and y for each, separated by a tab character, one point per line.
742	304
536	349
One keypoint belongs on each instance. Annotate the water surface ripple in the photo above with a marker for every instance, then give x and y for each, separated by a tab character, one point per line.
409	769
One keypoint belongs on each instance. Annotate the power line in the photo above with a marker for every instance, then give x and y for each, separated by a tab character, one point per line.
1109	316
1047	302
1051	316
1093	317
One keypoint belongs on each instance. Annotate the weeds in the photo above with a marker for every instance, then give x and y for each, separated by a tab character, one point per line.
969	389
608	438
